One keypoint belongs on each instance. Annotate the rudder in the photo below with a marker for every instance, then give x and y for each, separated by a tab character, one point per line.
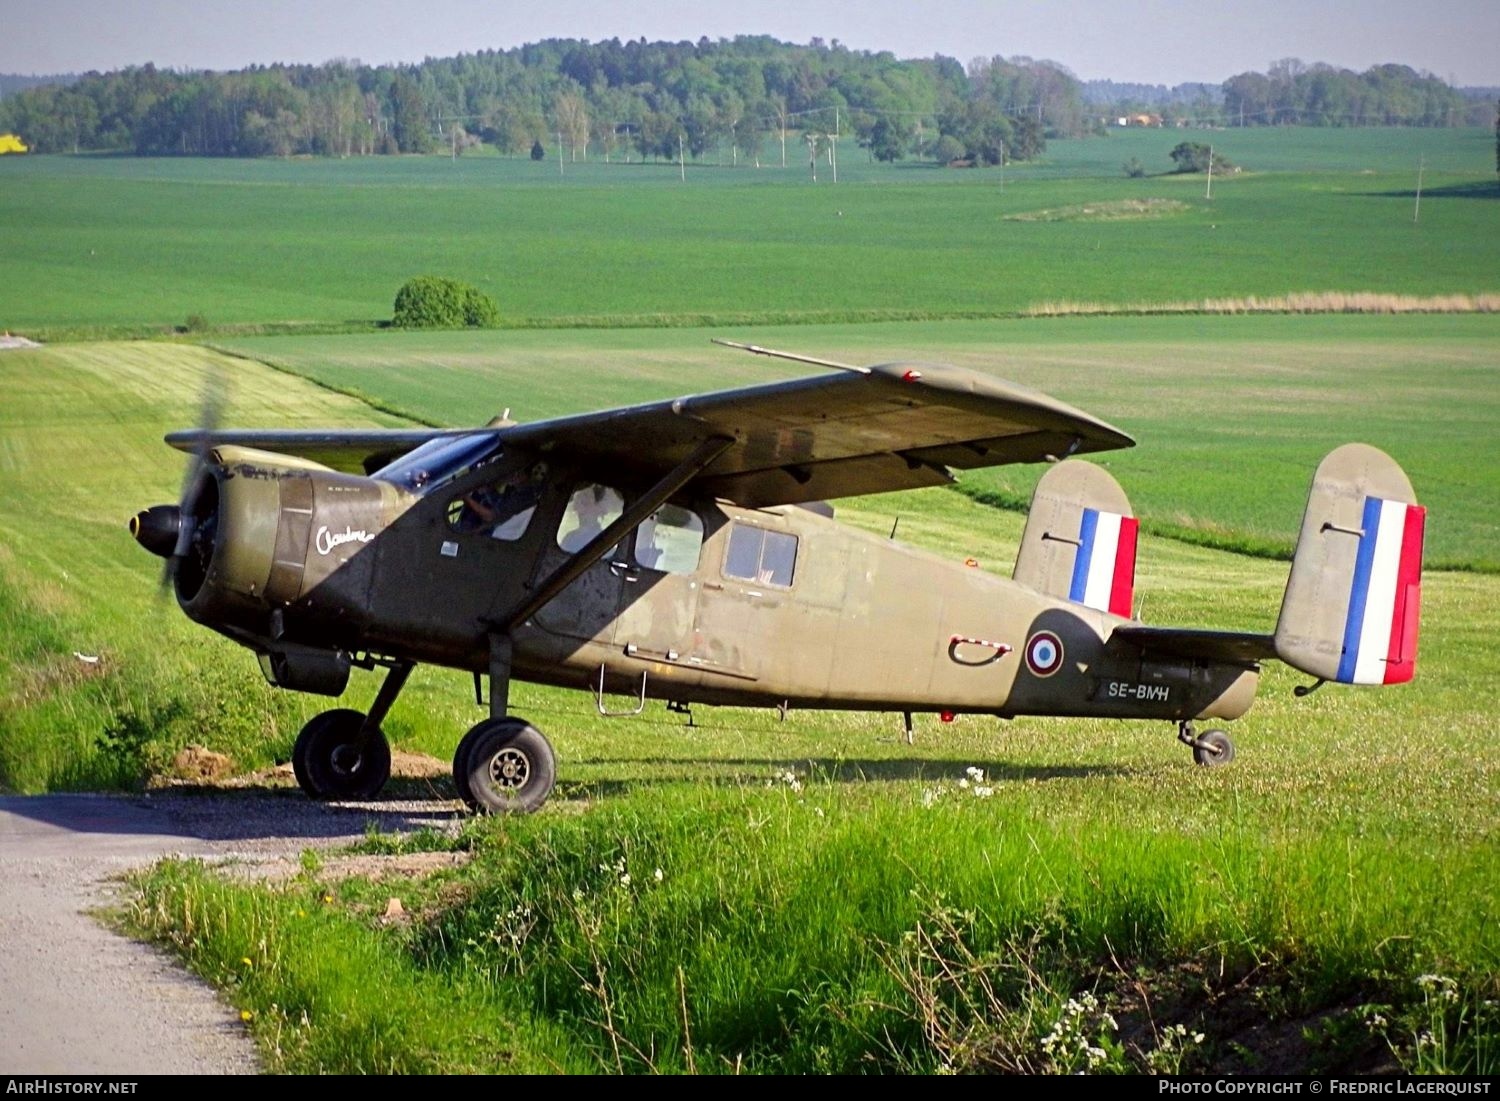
1352	607
1080	539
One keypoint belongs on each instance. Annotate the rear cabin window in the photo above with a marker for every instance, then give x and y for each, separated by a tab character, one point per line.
755	554
669	540
591	509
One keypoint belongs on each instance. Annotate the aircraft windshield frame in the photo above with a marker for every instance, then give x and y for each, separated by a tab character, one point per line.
440	460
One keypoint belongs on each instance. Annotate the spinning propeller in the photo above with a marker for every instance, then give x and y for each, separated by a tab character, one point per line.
184	533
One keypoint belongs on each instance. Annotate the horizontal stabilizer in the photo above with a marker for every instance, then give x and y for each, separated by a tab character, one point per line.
1080	539
1192	644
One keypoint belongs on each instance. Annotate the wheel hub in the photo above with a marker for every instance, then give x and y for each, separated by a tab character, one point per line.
510	768
345	759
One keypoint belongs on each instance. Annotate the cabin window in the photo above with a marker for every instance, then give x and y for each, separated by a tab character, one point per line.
591	509
755	554
501	511
669	540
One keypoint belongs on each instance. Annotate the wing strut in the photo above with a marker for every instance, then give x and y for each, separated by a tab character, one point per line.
679	476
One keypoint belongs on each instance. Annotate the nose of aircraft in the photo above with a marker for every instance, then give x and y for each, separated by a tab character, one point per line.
157	528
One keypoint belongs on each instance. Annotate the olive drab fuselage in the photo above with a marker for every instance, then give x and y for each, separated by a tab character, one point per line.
775	606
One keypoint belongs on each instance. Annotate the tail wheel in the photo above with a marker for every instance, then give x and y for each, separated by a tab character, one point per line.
504	766
334	760
1213	748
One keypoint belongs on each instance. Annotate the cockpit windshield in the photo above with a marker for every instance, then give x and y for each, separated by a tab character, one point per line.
439	460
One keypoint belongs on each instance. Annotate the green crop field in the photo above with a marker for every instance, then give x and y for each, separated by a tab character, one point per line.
101	244
813	894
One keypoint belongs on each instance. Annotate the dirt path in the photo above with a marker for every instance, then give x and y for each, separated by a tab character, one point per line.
77	999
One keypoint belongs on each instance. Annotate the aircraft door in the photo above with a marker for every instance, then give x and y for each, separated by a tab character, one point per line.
589	607
660	597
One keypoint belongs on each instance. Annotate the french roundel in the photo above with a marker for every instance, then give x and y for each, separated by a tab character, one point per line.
1044	654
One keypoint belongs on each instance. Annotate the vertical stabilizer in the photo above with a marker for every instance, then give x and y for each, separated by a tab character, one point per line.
1080	539
1353	600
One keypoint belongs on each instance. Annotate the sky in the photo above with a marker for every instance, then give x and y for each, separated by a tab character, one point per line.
1144	41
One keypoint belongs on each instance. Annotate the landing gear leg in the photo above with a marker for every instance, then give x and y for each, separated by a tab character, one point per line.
1210	749
503	764
343	754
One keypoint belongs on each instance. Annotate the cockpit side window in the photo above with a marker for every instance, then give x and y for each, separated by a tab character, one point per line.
501	510
669	540
756	554
591	509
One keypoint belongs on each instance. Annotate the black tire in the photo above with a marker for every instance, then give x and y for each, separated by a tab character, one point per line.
461	756
509	767
331	761
1215	749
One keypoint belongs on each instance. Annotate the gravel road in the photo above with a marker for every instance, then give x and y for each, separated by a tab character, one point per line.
77	999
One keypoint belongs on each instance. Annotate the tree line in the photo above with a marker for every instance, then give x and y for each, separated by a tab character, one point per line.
749	99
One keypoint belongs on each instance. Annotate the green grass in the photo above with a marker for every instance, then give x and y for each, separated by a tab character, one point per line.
1231	414
81	452
875	915
114	242
830	899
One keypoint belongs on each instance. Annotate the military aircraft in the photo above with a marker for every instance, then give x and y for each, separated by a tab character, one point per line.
683	551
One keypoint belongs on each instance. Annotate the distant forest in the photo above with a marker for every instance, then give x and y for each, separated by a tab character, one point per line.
750	98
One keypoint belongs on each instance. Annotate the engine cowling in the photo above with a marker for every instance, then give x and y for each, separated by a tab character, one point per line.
260	533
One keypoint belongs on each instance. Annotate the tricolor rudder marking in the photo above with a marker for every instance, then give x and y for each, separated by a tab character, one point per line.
1104	570
1380	628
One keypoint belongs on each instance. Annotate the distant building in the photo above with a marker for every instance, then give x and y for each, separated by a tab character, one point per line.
9	143
1139	120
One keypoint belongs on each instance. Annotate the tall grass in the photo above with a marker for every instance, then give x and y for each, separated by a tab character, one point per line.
808	927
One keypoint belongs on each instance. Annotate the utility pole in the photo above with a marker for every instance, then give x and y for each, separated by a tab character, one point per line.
833	148
1417	209
1002	166
559	153
681	163
1209	194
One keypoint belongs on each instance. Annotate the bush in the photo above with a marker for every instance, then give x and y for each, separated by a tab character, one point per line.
1133	168
1194	156
432	302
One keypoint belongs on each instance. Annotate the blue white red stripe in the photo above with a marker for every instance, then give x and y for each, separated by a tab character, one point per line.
1104	569
1380	627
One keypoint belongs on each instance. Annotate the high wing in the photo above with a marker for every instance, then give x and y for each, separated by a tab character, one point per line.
894	426
354	451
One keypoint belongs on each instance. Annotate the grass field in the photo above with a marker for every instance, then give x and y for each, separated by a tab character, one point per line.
807	895
1306	893
1207	398
106	244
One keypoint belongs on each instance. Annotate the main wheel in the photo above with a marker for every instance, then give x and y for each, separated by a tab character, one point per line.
461	756
332	761
507	767
1214	749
